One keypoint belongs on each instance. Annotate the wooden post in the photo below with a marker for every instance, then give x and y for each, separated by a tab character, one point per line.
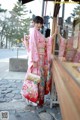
53	30
54	24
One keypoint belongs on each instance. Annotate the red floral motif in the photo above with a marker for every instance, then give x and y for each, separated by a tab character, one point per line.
30	91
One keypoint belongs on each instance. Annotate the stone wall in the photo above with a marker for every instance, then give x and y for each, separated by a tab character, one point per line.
18	64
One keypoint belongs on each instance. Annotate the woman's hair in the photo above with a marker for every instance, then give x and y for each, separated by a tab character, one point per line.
38	19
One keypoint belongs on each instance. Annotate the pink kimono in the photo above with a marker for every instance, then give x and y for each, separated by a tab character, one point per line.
62	47
69	45
70	51
77	56
39	51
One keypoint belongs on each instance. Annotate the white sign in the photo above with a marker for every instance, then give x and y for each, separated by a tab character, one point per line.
4	115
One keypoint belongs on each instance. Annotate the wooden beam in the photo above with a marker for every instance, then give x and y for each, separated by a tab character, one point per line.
67	82
25	1
54	23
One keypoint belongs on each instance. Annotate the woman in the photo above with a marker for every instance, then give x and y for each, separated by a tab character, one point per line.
39	59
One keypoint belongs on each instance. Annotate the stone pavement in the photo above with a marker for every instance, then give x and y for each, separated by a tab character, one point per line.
12	101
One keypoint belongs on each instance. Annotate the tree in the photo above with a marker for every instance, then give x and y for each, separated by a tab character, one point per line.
19	22
2	10
2	25
15	24
76	12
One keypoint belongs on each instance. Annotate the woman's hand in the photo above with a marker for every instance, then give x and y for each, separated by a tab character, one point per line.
25	41
34	64
26	37
22	39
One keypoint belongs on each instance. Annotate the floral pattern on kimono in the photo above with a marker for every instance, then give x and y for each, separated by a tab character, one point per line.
77	57
48	62
30	90
69	45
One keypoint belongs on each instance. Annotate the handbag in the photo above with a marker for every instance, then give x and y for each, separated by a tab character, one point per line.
30	91
41	51
33	77
30	86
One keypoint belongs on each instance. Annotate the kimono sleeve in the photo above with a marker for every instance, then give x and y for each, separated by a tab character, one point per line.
62	47
49	47
33	46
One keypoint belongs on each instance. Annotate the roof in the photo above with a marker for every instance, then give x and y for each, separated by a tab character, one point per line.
26	1
57	5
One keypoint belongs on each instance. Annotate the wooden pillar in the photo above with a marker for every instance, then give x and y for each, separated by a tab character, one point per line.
54	24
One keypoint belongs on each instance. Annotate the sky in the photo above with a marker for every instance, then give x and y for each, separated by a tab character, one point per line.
36	7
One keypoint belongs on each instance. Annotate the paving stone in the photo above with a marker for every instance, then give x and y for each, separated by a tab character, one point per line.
12	105
13	81
7	91
2	96
6	86
10	95
22	100
3	82
58	116
3	89
19	85
8	99
55	111
12	117
2	86
3	92
2	100
16	91
11	88
27	116
19	81
12	84
45	116
17	96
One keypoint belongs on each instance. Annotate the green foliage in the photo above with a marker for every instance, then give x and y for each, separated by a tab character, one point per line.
2	10
76	12
16	24
19	20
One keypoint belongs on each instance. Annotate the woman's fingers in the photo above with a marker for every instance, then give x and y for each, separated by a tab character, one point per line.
27	37
22	39
34	64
